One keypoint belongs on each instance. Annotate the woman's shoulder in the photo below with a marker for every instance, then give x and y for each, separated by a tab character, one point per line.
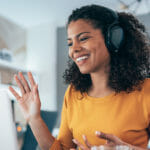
70	89
71	92
71	95
146	85
146	94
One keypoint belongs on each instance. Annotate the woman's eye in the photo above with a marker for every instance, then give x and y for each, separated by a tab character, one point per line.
69	44
83	39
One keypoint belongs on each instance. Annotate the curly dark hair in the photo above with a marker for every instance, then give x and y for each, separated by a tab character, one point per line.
129	66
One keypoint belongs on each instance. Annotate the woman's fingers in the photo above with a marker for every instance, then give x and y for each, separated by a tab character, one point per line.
20	84
31	79
86	141
24	86
88	145
80	145
109	143
36	92
105	136
14	93
110	138
24	82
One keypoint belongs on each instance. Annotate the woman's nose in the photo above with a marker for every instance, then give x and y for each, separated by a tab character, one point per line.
76	47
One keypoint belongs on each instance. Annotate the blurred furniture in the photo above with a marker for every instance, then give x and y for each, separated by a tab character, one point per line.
30	142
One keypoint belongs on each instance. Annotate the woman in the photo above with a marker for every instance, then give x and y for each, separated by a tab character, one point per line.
109	86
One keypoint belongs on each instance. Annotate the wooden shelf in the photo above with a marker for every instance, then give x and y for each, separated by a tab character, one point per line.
8	69
11	66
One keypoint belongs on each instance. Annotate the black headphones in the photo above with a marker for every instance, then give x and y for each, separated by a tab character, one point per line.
114	36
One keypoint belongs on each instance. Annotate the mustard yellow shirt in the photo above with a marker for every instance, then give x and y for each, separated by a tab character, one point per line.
126	115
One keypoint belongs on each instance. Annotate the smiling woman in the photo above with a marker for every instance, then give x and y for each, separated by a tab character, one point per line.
109	86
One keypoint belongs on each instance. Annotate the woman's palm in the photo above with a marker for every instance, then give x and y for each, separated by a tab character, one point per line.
29	106
29	102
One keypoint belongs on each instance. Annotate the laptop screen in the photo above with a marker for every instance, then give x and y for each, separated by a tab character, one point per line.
8	135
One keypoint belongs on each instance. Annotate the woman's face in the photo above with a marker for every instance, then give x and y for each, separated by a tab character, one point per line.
87	47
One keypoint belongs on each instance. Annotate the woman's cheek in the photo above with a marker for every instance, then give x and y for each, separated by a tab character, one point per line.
69	53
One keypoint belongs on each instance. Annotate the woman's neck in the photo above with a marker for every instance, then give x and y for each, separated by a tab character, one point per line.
99	86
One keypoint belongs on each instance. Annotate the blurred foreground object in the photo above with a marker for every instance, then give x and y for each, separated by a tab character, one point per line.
118	147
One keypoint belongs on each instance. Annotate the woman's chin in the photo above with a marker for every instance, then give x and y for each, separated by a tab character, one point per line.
84	71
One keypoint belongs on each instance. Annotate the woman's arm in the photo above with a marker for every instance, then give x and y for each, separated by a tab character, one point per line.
29	103
41	133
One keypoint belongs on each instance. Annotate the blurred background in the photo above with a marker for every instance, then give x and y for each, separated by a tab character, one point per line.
33	38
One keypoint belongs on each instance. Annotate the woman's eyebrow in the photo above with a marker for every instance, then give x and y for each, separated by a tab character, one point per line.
78	35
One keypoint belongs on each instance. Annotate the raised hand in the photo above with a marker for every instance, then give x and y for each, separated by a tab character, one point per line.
29	100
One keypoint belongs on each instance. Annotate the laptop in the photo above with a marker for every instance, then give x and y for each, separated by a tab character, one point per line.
8	134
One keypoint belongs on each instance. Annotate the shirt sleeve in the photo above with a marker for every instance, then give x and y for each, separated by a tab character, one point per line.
64	139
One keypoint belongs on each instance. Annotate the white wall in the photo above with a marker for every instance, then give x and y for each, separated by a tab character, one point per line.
145	19
41	58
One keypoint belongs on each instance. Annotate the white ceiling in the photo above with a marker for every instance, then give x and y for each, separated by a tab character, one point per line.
28	13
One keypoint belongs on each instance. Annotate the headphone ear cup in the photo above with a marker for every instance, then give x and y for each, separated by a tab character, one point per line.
114	37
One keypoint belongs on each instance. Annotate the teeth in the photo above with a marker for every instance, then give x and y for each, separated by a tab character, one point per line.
81	58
